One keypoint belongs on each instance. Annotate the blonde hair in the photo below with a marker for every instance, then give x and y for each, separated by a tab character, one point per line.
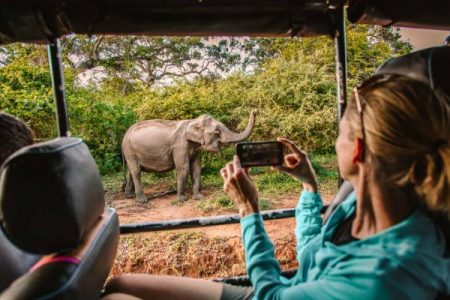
407	134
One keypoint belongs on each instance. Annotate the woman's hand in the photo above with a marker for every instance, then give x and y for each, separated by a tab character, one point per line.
240	187
298	165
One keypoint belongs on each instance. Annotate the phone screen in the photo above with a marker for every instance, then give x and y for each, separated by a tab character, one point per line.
253	154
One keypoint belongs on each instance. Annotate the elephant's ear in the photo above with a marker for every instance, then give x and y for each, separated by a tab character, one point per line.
194	133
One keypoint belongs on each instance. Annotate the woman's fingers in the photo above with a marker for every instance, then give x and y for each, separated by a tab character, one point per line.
290	144
282	169
230	169
291	160
232	172
236	163
224	173
247	171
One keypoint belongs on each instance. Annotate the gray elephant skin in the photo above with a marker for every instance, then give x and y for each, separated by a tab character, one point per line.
163	145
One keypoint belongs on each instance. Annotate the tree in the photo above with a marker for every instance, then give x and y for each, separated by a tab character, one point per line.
291	82
367	48
127	61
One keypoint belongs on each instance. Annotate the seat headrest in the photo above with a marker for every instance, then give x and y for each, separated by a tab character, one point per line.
50	195
430	66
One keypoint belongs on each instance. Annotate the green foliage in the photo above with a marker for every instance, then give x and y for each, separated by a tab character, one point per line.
275	183
292	84
265	204
112	184
130	61
215	202
292	101
26	90
272	184
25	86
219	201
101	125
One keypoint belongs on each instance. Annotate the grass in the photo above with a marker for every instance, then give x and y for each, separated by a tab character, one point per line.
112	183
270	184
326	169
265	204
217	201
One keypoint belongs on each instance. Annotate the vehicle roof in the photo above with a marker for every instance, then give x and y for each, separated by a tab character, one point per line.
44	20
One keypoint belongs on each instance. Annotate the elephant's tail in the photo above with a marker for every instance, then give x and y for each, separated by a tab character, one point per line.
124	170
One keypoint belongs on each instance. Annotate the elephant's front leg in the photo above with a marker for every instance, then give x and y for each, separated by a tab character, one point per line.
182	167
196	169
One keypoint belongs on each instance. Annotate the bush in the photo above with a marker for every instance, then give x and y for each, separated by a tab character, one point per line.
298	103
293	88
102	126
26	93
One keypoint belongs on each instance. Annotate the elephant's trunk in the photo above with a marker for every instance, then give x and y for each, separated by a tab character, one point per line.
229	136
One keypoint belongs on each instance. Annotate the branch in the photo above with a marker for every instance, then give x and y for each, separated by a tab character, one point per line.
94	52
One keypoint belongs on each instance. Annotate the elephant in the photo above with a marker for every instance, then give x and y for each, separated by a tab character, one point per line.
163	145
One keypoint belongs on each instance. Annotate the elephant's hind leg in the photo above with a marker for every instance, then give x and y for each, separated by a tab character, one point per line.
135	171
129	188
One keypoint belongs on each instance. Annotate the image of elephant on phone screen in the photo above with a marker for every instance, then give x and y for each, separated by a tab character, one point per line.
164	145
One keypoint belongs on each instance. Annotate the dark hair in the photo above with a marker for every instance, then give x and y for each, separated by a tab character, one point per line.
14	134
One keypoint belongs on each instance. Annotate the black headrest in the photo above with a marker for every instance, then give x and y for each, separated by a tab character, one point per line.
430	66
50	195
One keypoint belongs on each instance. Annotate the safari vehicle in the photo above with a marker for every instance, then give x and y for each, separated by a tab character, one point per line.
70	238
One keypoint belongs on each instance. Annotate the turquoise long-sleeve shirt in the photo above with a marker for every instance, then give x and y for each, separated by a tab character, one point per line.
404	261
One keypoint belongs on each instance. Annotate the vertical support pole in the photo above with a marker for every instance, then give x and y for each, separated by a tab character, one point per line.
56	71
341	64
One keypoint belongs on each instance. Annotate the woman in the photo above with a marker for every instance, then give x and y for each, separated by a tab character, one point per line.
381	242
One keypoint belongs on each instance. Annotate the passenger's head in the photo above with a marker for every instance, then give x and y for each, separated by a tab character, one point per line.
14	134
447	41
405	130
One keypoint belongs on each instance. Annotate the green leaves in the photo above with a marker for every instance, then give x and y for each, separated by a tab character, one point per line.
290	81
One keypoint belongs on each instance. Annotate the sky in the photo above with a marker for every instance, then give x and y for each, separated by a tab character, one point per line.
424	38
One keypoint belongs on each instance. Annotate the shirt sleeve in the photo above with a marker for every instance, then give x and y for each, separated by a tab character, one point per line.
335	288
308	219
264	271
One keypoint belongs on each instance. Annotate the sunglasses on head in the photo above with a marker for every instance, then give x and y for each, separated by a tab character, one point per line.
360	105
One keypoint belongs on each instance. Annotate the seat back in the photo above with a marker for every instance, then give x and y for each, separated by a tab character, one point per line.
14	262
52	204
344	190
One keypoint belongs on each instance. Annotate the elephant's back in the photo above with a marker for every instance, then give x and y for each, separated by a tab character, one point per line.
152	135
157	123
151	128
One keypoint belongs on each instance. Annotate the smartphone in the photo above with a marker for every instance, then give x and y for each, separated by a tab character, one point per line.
252	154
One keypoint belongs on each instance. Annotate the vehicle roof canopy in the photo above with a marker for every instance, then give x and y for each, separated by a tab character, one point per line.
44	20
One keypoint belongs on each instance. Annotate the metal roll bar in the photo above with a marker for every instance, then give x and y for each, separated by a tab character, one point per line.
341	65
57	74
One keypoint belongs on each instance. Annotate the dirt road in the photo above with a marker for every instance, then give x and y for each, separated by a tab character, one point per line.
207	252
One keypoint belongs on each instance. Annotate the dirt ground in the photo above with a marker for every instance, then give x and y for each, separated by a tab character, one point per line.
207	252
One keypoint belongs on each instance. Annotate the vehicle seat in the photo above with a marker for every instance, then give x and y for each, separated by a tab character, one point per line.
14	262
344	190
52	205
